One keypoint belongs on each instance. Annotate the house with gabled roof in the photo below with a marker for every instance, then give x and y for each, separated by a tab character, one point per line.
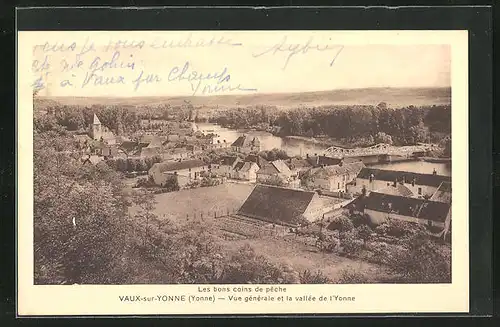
185	171
225	166
333	178
436	215
379	180
246	144
282	205
274	169
246	171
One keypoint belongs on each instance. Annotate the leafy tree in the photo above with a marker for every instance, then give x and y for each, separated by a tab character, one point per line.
423	261
382	137
77	216
246	266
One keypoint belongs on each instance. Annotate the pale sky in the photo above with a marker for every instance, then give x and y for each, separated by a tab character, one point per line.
362	59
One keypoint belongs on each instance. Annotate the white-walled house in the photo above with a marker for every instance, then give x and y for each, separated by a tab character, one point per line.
225	166
332	178
274	169
184	171
246	171
382	181
246	144
379	207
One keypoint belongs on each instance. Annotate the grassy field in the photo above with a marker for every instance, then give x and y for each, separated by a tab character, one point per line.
302	257
206	200
184	205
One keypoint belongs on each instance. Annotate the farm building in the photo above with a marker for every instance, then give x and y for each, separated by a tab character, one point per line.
379	207
332	178
378	180
283	205
226	166
246	144
185	171
276	168
246	171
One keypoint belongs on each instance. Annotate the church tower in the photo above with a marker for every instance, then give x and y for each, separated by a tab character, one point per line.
96	131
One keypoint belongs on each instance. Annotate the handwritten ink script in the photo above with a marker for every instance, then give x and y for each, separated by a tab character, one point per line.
137	63
205	83
291	49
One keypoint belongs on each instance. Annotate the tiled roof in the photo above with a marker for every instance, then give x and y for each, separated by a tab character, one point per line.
275	167
177	165
246	167
228	160
391	176
257	159
129	145
337	170
239	165
405	206
443	193
150	151
281	166
399	190
276	204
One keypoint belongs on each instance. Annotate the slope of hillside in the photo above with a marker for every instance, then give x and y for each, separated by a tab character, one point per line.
394	97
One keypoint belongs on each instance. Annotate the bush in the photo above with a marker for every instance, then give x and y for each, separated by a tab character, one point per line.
351	276
423	261
171	185
350	243
360	219
307	277
398	228
145	182
342	224
365	233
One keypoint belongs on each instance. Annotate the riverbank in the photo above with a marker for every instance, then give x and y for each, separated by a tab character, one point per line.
435	159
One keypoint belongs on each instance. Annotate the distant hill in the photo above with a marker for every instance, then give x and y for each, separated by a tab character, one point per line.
394	97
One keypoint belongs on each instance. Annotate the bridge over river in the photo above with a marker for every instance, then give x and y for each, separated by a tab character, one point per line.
380	149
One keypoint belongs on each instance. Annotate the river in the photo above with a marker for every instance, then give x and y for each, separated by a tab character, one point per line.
301	147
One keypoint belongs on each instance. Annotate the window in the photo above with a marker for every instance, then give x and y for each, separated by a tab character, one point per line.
338	185
419	191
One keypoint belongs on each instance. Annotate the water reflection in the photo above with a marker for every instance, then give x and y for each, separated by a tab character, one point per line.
267	140
299	147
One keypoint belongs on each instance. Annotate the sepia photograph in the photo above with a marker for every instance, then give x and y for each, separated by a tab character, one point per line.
349	185
232	159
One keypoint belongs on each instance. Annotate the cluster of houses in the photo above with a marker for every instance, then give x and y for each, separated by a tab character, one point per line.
99	143
302	186
422	199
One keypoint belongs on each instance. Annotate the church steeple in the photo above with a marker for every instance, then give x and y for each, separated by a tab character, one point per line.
96	120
